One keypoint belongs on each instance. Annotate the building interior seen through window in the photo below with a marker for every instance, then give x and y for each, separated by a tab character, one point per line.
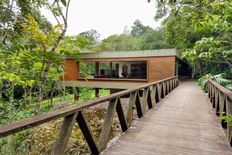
117	69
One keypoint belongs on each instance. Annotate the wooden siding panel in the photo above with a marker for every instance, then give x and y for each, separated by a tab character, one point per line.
161	68
71	70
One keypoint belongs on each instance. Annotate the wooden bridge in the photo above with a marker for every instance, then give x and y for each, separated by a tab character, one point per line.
172	120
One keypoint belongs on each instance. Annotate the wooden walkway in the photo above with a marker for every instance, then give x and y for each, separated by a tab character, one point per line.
182	123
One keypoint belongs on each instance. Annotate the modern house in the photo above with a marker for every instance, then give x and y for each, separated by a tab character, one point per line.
123	70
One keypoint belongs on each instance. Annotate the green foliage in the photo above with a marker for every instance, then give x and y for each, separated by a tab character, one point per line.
29	46
140	38
219	78
226	118
92	35
41	138
202	30
138	29
70	46
203	81
152	39
36	35
121	42
63	2
84	72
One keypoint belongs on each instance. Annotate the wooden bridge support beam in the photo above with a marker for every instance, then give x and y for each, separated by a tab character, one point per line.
105	132
138	106
83	124
158	93
129	114
144	99
64	134
121	116
153	95
149	100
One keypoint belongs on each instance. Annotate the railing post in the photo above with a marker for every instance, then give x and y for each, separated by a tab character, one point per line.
229	112
161	90
144	99
157	94
217	101
164	89
168	87
153	94
129	114
209	90
149	99
222	102
105	132
174	83
213	97
212	94
64	134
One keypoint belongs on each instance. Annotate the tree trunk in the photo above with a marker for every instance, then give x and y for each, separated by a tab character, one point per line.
201	67
48	63
42	86
193	71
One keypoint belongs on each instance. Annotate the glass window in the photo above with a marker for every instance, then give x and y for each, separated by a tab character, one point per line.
87	69
115	69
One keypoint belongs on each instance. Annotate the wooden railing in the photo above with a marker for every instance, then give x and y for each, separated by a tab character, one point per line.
152	94
221	99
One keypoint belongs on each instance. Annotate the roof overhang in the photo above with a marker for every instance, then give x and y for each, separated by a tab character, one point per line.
130	54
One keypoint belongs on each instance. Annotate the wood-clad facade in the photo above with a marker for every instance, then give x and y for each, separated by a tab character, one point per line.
157	68
151	66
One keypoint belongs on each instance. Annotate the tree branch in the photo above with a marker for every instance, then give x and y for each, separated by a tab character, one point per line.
50	8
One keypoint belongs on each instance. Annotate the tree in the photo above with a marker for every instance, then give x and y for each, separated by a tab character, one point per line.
120	42
49	43
92	35
201	29
29	45
73	44
138	29
152	39
140	38
215	20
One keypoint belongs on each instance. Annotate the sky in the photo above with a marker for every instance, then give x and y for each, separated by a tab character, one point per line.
107	16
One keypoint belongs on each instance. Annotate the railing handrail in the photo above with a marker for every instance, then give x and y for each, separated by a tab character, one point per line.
221	88
221	99
55	114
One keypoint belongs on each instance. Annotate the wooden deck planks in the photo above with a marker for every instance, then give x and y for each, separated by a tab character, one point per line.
182	123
